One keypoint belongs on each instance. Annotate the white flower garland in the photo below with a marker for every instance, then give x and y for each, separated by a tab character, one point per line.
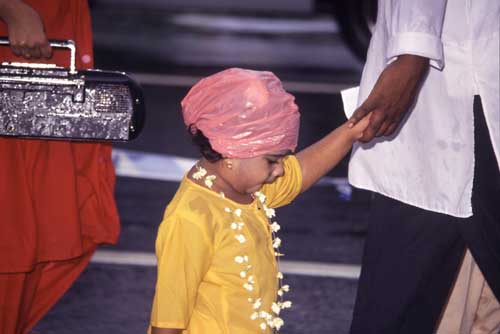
209	179
269	319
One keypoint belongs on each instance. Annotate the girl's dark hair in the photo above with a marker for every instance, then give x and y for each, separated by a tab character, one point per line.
206	150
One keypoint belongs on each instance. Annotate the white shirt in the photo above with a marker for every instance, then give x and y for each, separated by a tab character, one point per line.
429	163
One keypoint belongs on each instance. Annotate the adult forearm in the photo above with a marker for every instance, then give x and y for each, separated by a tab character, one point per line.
26	30
319	158
7	9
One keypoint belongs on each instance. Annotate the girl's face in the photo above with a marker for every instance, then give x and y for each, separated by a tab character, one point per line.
248	175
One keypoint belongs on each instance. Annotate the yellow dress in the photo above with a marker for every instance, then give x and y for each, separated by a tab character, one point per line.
217	269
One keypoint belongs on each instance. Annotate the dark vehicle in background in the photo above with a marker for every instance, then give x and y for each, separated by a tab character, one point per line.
357	19
187	32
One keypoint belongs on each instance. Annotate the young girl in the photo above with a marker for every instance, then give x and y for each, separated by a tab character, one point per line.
217	247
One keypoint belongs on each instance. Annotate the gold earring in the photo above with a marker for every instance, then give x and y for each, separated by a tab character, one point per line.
229	165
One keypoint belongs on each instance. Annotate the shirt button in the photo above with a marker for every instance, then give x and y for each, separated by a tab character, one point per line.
86	59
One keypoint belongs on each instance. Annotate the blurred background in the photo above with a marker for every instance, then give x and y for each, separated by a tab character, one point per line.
317	48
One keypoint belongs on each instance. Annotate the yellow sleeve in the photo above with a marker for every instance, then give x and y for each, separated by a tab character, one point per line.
184	250
284	190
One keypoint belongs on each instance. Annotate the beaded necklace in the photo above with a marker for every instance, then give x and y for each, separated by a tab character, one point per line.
270	318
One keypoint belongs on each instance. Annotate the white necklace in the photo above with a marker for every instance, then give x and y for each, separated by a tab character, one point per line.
200	173
268	319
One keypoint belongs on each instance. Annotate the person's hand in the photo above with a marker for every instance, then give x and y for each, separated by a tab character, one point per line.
391	97
357	129
26	31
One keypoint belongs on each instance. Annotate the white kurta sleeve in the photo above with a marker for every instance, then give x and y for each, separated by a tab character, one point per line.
415	27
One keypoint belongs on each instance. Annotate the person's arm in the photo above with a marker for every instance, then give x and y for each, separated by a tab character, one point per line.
392	96
25	28
155	330
414	29
317	159
180	273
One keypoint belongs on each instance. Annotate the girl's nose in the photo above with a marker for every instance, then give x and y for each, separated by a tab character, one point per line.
278	170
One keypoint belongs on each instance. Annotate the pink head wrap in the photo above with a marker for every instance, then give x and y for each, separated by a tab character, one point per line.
243	113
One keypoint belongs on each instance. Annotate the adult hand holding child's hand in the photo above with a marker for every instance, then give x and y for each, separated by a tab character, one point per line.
358	129
391	97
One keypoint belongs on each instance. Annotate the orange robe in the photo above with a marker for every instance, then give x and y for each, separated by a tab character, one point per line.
56	197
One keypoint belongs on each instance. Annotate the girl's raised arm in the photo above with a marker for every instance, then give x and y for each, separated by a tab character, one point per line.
316	160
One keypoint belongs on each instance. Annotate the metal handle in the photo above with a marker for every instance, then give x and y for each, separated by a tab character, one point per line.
66	44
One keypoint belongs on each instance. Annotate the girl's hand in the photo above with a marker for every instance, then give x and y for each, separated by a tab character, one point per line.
26	31
357	130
